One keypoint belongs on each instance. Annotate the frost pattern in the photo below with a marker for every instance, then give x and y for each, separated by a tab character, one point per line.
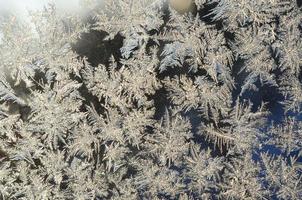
199	104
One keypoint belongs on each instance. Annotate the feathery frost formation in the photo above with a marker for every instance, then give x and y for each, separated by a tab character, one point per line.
139	101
